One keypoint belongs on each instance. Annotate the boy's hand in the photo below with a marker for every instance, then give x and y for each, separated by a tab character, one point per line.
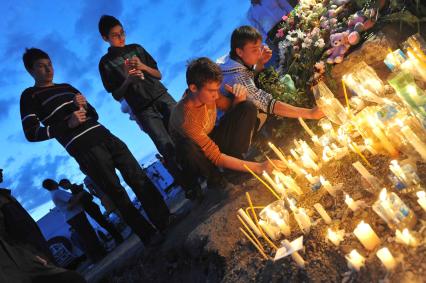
316	113
41	260
136	73
238	90
266	54
80	101
135	63
77	118
268	167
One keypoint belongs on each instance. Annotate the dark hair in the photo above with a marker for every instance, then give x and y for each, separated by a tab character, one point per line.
241	36
106	23
49	184
31	55
201	71
63	182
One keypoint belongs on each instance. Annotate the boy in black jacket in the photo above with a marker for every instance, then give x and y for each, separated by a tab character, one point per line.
67	116
131	74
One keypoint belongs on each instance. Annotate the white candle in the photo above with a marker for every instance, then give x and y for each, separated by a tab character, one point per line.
327	186
270	181
405	238
296	169
295	256
327	154
316	140
421	199
302	122
248	220
302	220
272	231
274	217
294	154
306	148
372	181
366	236
355	260
385	142
414	140
335	236
398	172
288	182
369	146
386	258
278	153
353	205
323	213
308	162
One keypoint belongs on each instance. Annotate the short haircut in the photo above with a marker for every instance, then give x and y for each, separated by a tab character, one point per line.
49	184
106	23
31	55
64	182
241	36
201	71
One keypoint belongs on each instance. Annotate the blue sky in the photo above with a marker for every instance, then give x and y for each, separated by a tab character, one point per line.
173	31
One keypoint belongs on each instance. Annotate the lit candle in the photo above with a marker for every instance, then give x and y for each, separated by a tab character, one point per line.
308	162
353	205
421	199
270	181
250	222
369	146
335	236
327	154
274	217
366	236
272	231
323	213
386	258
312	180
295	256
316	140
302	220
405	238
414	140
385	142
278	153
302	122
294	154
288	182
355	260
327	186
306	148
398	172
296	169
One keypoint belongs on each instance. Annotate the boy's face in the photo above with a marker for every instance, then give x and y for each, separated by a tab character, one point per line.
250	53
116	36
208	93
42	71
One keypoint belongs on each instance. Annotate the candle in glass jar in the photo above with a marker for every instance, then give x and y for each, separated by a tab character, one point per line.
386	258
366	236
405	238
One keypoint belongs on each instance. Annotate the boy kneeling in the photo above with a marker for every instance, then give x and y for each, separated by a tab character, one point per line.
201	145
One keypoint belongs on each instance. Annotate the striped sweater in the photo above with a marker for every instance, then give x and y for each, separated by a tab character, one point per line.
45	112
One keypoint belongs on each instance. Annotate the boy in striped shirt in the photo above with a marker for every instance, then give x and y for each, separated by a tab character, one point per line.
50	110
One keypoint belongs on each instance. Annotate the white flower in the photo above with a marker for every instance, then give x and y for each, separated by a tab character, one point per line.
300	34
320	43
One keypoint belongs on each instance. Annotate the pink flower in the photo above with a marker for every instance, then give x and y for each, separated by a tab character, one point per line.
280	33
284	18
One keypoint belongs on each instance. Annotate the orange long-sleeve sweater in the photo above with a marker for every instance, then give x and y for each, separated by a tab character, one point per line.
197	123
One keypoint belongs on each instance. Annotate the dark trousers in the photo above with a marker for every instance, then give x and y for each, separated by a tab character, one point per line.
155	122
100	163
63	277
232	135
94	211
88	237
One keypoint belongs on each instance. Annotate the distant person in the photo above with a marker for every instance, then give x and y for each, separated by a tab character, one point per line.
202	145
91	208
69	118
74	215
20	226
21	258
96	191
264	15
131	74
247	58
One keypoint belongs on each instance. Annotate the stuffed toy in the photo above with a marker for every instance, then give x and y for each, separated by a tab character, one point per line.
360	22
339	46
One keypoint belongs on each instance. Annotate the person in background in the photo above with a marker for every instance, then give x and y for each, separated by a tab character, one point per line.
74	215
91	208
96	191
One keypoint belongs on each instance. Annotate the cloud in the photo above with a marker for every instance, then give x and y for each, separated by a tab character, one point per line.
27	183
173	70
164	51
5	107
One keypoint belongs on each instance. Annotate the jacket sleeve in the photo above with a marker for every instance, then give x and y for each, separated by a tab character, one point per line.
263	100
146	58
31	125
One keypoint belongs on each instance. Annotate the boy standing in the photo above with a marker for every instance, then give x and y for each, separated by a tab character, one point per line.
131	74
202	146
70	119
247	58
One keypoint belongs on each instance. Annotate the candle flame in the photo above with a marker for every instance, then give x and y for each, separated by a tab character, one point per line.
421	194
383	194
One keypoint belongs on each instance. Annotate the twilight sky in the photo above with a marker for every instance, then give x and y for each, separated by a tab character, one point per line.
173	31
